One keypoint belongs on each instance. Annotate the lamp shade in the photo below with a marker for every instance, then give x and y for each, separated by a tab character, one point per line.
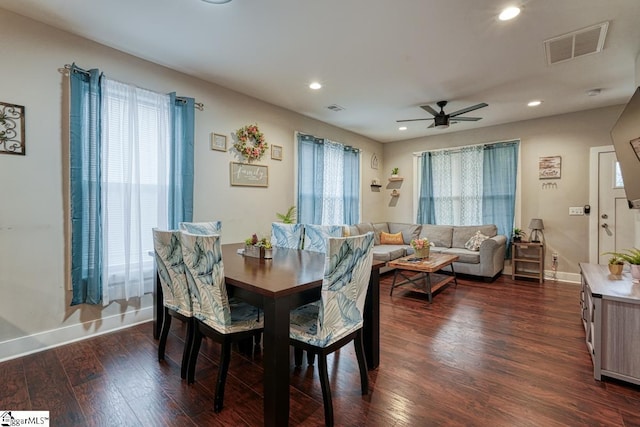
536	224
216	1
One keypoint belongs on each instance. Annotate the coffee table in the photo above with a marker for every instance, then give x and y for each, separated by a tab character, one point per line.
425	267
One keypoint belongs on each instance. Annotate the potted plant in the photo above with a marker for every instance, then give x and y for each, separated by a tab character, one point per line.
258	248
518	234
421	247
615	265
631	256
289	217
394	172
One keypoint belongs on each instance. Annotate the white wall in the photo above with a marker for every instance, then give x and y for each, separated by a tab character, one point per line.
34	302
569	136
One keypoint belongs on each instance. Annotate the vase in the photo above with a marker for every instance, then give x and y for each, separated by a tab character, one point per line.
423	253
254	251
615	269
635	271
268	253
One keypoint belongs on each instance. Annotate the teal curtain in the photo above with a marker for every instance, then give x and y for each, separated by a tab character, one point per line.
500	163
86	230
351	186
310	179
426	207
181	160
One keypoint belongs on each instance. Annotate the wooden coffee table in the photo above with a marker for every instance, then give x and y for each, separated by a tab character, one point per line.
425	267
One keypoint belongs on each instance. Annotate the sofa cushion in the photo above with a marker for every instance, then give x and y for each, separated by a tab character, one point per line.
388	252
462	233
378	228
439	235
391	239
364	228
464	255
351	230
473	244
409	231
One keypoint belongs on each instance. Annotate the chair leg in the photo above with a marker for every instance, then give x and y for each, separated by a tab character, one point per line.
297	356
362	363
257	338
188	343
225	355
193	352
166	325
326	391
311	357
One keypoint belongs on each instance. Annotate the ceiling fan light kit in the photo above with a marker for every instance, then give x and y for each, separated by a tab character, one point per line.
441	120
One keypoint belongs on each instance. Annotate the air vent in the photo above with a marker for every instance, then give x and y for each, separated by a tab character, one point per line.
578	43
335	107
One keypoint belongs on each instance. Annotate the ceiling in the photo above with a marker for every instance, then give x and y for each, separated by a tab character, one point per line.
378	59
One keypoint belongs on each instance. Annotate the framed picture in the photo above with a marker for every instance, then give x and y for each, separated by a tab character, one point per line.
374	161
635	144
12	129
276	152
248	175
549	167
218	142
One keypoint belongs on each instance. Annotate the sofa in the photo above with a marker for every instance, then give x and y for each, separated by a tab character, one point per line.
486	263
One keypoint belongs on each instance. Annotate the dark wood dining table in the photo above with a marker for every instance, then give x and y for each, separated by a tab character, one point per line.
291	279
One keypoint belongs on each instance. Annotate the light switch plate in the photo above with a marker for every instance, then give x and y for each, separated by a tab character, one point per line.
576	210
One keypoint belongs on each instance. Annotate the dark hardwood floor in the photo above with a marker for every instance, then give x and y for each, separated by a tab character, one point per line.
508	353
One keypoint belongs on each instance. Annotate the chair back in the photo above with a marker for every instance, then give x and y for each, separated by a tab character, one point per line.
213	227
344	286
171	270
286	235
315	236
205	273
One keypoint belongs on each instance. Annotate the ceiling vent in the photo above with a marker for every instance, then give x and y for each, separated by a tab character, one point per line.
578	43
335	107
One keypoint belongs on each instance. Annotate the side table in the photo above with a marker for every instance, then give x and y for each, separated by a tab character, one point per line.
527	260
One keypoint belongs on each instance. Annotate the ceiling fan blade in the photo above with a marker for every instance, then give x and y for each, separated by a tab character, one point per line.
428	109
411	120
467	119
466	110
431	126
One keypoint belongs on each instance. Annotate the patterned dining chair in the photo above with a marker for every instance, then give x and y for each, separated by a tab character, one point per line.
176	295
322	328
213	227
315	236
217	317
287	235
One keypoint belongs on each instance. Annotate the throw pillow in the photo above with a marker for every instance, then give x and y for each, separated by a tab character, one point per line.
473	244
391	239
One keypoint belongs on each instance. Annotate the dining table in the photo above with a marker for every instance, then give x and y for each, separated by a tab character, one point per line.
290	279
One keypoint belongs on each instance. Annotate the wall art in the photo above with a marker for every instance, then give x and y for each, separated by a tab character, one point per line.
12	129
276	152
248	175
218	142
549	167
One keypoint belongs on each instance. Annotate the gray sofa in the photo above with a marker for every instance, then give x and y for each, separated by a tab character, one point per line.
486	263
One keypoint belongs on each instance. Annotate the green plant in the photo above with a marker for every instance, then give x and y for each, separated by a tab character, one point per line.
289	217
395	171
632	256
265	242
614	260
518	233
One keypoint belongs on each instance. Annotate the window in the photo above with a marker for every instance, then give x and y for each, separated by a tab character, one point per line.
328	182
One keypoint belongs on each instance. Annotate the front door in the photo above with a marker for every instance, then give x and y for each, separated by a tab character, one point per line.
615	219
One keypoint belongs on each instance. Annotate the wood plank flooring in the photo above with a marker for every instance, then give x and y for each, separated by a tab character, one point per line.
508	353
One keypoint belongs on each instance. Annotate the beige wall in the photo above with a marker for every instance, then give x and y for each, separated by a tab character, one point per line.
569	136
34	305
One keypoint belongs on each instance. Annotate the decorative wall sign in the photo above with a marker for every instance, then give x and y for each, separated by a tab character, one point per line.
248	175
549	167
218	142
12	129
276	152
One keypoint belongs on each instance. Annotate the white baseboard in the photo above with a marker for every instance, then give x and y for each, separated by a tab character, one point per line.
23	346
559	276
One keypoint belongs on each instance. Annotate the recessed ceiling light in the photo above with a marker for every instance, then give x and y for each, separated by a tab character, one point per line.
315	86
534	103
509	13
594	92
402	128
216	1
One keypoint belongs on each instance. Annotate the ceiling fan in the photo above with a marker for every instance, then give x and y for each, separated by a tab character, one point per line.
441	120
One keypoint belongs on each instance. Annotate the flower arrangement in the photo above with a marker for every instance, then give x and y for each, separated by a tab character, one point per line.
251	143
423	243
255	241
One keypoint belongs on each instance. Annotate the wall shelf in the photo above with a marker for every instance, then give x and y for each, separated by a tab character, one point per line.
376	185
398	178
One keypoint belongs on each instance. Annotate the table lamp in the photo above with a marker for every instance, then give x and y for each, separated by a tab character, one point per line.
536	227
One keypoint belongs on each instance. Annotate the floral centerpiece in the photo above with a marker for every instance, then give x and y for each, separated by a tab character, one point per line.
250	143
422	247
258	248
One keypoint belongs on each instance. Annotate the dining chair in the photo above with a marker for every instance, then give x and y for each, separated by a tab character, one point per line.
315	236
324	327
287	235
217	317
213	227
176	295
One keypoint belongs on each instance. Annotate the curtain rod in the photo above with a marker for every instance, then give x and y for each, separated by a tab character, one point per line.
460	148
67	69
